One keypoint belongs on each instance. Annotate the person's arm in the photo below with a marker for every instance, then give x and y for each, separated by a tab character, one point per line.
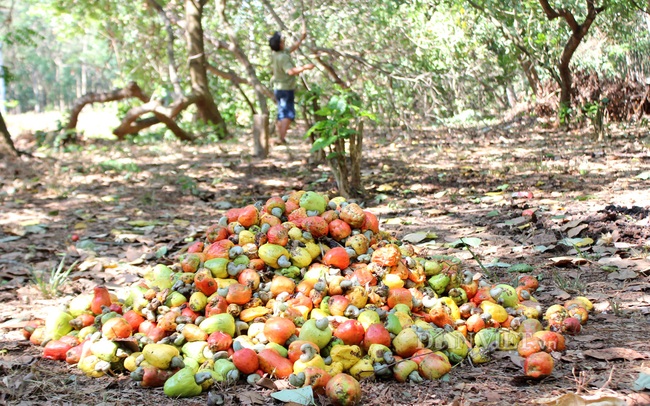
302	37
297	44
300	69
290	69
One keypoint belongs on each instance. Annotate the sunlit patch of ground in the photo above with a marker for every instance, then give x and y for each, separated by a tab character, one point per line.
93	122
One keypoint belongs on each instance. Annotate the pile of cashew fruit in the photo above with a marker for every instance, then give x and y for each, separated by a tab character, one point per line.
307	289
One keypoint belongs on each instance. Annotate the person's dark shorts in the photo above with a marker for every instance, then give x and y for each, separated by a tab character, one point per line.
286	108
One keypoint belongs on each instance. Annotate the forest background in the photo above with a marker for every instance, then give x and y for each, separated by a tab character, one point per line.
128	126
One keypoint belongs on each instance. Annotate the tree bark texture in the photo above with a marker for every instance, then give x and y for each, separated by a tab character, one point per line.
319	156
260	90
205	104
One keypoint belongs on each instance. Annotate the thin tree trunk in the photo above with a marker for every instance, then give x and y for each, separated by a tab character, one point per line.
36	86
171	59
319	156
531	74
58	75
260	127
356	147
205	104
260	135
340	168
7	146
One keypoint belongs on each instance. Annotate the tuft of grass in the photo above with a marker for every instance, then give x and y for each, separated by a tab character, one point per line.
50	284
568	284
119	166
615	305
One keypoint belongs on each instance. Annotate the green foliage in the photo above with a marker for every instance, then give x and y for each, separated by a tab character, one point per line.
565	114
592	109
119	166
45	52
341	110
7	75
25	36
595	112
441	62
147	137
58	139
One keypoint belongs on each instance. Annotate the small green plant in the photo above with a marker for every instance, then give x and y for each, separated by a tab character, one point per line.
57	139
340	135
478	261
565	114
596	113
151	137
187	184
50	284
339	114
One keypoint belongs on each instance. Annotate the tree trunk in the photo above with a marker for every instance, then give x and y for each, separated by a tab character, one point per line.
341	177
7	147
531	75
340	168
319	156
356	147
205	104
578	32
261	135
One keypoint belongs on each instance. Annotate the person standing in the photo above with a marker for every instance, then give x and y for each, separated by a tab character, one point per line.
284	81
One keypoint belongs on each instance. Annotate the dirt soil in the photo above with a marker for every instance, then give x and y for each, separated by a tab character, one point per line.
574	209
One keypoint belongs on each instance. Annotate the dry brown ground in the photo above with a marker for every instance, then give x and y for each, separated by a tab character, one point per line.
133	201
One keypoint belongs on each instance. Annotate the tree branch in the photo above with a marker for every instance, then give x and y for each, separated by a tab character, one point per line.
328	67
130	91
353	57
6	145
548	10
332	72
131	125
576	28
275	15
228	75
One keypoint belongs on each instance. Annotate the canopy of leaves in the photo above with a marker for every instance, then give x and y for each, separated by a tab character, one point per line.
427	61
